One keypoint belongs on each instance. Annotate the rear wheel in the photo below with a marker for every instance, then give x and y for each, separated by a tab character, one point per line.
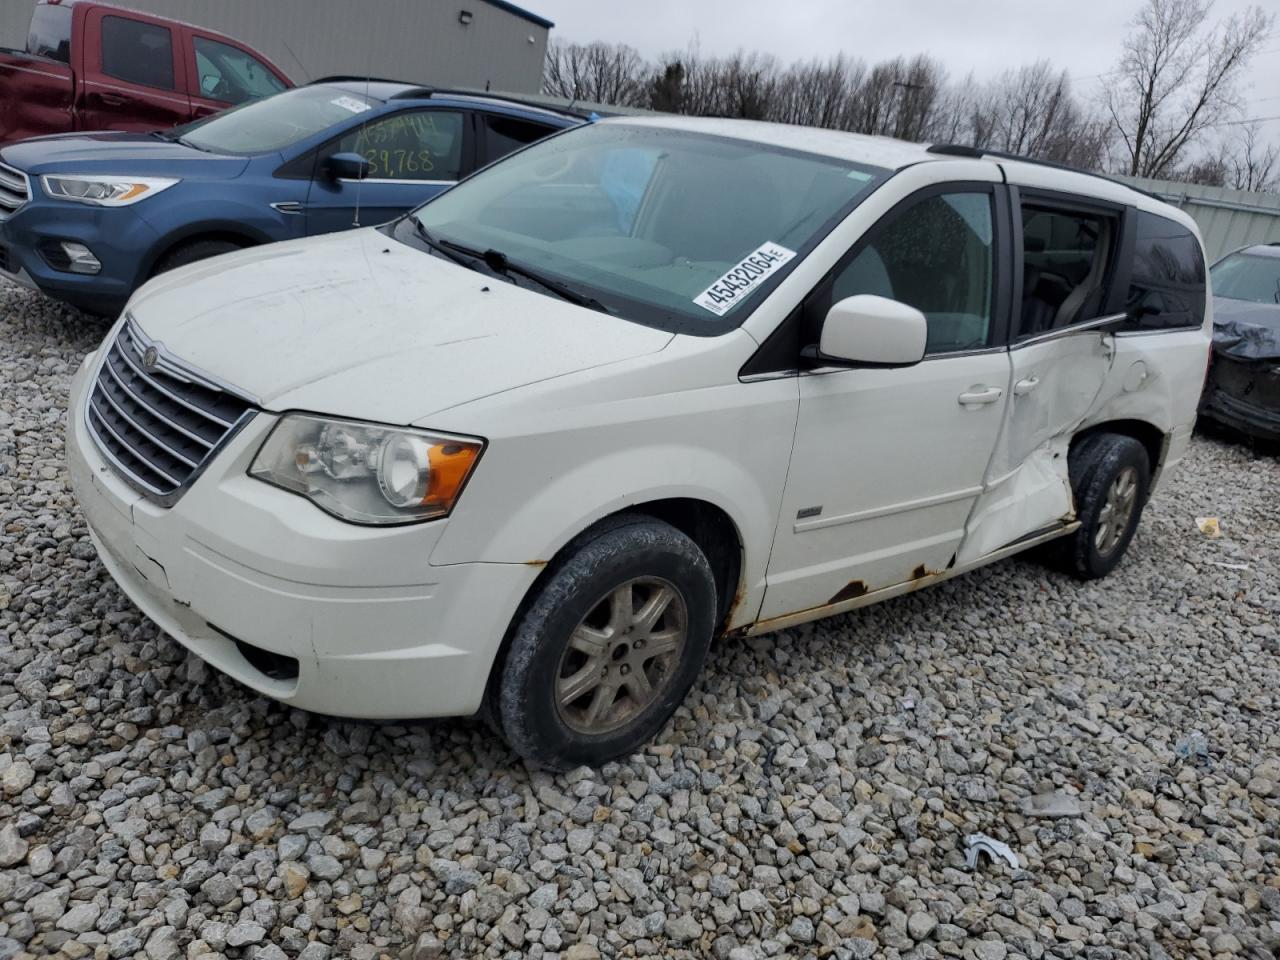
193	252
1111	478
609	647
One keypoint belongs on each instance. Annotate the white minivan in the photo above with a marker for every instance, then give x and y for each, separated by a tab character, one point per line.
527	450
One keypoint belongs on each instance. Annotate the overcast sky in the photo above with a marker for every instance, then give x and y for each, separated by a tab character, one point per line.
983	36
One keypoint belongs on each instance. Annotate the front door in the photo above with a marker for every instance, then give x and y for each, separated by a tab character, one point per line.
136	77
1061	355
888	461
412	157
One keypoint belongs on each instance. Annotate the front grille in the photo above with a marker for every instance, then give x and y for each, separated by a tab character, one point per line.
14	190
156	421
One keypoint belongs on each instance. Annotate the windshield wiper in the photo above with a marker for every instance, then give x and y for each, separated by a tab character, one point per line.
501	264
440	247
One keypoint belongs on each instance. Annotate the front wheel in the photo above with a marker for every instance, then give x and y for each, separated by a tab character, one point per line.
609	647
1111	479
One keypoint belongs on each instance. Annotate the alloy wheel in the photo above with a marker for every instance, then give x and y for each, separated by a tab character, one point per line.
622	656
1117	511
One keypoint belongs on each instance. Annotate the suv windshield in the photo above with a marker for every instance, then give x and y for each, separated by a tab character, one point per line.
670	228
1244	276
277	122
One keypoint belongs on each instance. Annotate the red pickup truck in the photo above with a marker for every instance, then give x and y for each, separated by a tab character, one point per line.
90	66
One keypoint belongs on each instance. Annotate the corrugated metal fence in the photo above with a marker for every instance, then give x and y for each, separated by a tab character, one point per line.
1228	219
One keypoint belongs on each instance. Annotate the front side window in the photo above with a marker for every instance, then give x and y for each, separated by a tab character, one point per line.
275	123
137	52
1167	289
1247	276
424	145
228	73
680	230
1065	258
936	256
50	34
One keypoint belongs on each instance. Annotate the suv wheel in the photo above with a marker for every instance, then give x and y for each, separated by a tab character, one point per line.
1111	478
193	252
609	647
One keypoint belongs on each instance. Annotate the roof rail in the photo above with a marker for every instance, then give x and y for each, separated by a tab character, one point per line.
487	95
422	92
344	78
963	150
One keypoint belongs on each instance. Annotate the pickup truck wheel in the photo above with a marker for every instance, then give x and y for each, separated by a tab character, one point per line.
1111	478
610	646
192	252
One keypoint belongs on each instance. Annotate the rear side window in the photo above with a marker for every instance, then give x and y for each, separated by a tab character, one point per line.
503	135
137	52
50	34
1065	257
1167	289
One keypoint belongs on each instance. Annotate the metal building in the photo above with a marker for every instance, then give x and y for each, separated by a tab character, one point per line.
1228	219
466	43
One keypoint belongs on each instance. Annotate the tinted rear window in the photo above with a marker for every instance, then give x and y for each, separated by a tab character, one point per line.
50	34
137	52
1168	284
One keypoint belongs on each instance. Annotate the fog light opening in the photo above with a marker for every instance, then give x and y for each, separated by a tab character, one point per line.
80	259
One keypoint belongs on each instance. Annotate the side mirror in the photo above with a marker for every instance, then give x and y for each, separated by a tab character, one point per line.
875	331
347	166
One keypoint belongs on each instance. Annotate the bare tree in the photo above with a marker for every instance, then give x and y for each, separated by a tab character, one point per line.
1177	78
596	72
1250	164
1032	111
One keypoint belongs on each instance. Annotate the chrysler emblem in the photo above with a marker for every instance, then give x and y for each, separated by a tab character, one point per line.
149	358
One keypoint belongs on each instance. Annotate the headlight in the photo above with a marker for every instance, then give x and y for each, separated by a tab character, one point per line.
365	473
105	191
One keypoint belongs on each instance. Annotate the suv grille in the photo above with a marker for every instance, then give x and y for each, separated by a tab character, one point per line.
14	190
156	421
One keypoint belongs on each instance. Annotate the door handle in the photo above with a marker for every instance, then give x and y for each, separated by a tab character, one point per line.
1025	386
112	100
979	396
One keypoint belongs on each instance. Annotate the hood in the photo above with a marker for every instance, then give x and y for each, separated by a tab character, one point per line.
358	324
1246	330
127	154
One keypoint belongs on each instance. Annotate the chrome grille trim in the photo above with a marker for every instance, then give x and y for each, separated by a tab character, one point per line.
15	190
159	421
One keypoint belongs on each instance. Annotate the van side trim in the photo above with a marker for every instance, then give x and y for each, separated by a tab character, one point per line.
909	586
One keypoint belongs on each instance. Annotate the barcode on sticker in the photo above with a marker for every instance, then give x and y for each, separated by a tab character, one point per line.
754	269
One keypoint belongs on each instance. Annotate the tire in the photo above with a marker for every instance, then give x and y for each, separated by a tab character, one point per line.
1110	475
579	623
192	252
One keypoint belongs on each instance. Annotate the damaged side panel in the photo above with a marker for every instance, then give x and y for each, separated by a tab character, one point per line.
1056	385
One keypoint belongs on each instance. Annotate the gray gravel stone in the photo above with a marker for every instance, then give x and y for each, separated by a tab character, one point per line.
809	799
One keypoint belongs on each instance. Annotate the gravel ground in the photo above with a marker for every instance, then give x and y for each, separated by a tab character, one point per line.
811	799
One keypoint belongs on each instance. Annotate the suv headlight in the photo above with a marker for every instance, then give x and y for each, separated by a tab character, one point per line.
365	473
104	191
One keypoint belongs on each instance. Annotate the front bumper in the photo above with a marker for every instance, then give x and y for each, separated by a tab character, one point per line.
121	240
375	630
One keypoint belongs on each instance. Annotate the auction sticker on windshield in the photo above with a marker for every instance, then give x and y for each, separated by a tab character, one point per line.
754	269
351	104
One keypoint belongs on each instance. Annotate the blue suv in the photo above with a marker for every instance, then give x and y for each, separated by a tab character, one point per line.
87	218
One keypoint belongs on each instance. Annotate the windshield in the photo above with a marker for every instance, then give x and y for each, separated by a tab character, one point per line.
1244	276
264	126
678	230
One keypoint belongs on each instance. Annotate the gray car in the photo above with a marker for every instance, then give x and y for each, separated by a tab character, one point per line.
1242	390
